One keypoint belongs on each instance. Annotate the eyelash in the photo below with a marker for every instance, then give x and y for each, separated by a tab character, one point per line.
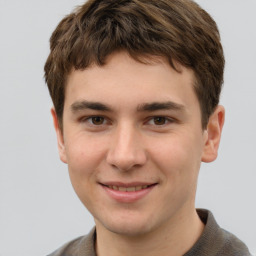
166	120
87	119
153	118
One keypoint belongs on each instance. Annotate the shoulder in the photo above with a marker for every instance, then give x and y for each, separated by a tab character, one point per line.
233	245
81	246
215	241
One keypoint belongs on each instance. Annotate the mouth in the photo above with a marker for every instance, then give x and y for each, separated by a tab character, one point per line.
129	189
128	193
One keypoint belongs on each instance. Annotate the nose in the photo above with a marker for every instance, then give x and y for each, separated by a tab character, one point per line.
126	149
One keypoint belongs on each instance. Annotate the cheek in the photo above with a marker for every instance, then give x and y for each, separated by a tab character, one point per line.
84	155
178	161
84	158
178	157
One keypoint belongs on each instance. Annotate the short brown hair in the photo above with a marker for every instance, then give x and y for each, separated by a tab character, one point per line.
178	30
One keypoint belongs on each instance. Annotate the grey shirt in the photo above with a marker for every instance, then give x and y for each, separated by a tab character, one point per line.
214	241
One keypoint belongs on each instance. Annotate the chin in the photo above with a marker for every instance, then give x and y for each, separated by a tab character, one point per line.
128	230
130	227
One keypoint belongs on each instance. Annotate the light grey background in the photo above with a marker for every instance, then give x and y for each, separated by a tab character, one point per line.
38	208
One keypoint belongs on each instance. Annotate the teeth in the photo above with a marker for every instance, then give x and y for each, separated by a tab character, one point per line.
129	189
138	188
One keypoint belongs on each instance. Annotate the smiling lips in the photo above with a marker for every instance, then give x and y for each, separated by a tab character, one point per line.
128	189
125	193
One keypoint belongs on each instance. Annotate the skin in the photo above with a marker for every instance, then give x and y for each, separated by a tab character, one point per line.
128	139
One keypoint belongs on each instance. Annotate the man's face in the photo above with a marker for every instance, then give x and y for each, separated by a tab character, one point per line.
133	142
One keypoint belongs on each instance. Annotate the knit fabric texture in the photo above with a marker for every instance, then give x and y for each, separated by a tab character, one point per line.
214	241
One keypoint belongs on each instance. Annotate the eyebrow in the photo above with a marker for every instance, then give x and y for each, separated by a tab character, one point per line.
145	107
168	105
82	105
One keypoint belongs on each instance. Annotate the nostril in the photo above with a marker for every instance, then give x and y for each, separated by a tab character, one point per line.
124	162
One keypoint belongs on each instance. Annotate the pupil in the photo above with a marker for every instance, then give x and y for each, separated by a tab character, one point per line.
97	120
159	120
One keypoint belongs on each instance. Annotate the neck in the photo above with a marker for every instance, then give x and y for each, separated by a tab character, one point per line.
173	238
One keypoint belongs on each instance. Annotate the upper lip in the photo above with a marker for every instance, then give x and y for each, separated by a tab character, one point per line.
127	185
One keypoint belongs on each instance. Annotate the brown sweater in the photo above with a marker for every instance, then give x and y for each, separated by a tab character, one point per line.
214	241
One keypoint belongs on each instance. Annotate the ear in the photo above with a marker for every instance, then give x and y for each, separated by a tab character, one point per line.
213	135
60	139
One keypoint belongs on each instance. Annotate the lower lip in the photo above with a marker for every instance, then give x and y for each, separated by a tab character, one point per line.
128	197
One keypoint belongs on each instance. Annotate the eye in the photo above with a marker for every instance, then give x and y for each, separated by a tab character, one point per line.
97	120
159	120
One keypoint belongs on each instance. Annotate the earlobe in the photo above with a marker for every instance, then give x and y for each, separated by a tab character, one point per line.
60	139
214	129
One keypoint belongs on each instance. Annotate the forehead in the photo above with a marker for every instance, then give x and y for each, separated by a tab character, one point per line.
131	81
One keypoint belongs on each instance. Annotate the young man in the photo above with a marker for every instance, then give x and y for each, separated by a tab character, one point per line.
135	86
